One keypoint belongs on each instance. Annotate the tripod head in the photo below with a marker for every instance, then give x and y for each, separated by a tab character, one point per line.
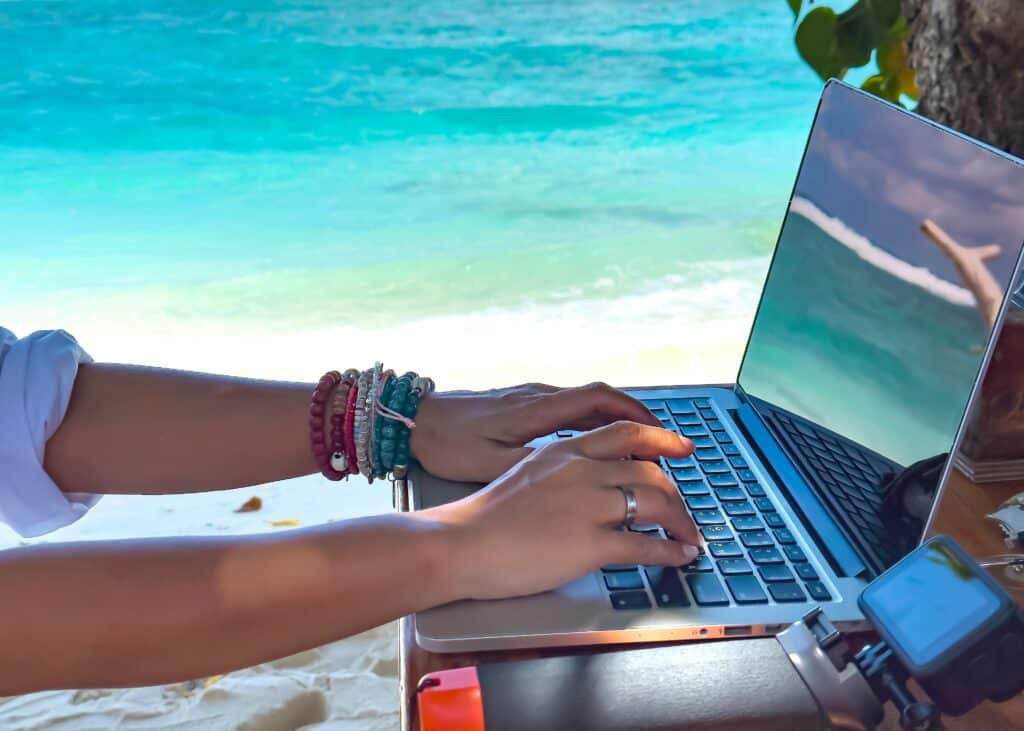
943	621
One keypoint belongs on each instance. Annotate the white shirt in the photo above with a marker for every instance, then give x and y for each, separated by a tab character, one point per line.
37	374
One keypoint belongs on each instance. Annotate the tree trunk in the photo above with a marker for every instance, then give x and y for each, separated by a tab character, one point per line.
969	59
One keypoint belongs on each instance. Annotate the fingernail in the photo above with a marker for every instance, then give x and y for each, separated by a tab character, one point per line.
689	552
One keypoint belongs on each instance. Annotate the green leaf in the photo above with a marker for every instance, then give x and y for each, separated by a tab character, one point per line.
873	84
857	34
816	41
795	6
891	88
885	12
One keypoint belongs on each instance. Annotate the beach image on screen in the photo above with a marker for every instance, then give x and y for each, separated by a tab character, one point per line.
867	325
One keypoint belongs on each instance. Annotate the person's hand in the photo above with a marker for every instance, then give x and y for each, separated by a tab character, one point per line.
556	514
476	436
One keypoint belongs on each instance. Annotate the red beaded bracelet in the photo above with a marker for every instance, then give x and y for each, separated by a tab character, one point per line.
317	412
350	427
336	449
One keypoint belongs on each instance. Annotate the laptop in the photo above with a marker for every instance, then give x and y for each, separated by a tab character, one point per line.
872	328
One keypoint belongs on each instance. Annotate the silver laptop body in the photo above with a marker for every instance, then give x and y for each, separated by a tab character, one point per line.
863	355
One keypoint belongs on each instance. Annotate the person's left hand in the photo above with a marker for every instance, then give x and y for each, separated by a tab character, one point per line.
476	436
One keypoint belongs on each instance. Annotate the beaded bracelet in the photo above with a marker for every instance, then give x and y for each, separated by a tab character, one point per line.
395	430
317	411
360	422
336	447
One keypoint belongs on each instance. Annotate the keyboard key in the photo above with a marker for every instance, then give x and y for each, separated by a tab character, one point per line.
679	462
707	517
681	406
794	553
731	450
784	537
729	494
623	580
666	586
747	522
774	520
739	463
723	437
708	454
764	504
765	555
707	590
699	565
740	508
722	480
667	424
746	589
715	425
619	567
775	572
756	539
805	571
729	566
786	591
818	591
725	549
630	600
747	475
716	533
716	467
693	488
689	420
693	431
687	474
564	434
702	403
702	442
754	490
701	502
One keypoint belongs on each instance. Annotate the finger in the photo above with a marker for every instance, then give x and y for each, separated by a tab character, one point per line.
653	507
584	408
626	547
628	439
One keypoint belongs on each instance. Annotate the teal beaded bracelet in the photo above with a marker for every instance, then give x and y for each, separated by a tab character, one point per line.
389	426
380	429
419	386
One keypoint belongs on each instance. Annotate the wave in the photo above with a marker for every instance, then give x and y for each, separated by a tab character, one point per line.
876	256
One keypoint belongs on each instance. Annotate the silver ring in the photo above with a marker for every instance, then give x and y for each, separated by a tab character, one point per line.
631	506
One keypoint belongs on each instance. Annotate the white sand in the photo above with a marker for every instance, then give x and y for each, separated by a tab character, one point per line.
352	685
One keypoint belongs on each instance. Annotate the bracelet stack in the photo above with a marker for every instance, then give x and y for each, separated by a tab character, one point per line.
361	422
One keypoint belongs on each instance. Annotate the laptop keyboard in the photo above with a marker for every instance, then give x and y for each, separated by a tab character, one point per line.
751	556
849	477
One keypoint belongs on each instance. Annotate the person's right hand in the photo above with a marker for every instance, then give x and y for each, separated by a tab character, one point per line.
556	515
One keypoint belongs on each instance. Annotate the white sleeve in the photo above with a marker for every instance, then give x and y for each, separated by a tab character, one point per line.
37	374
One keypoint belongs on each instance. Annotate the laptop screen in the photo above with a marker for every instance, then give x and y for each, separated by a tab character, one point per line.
899	243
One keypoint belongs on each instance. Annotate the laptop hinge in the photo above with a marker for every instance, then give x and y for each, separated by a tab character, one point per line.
815	516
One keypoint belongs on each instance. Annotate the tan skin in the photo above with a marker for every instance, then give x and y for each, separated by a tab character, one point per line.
140	612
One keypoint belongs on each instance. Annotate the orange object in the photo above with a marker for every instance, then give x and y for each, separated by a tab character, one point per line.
450	701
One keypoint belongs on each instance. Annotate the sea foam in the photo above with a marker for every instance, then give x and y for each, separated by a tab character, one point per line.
876	256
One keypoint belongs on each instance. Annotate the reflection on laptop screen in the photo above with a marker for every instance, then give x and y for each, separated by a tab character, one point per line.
867	327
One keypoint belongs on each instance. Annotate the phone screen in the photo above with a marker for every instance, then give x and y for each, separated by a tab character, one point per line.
929	601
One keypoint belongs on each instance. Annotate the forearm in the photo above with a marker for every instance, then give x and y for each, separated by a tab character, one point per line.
155	611
130	429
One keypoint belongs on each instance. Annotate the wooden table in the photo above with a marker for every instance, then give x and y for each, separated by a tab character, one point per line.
960	515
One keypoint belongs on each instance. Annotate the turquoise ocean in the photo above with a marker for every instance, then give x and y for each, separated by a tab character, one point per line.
282	166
